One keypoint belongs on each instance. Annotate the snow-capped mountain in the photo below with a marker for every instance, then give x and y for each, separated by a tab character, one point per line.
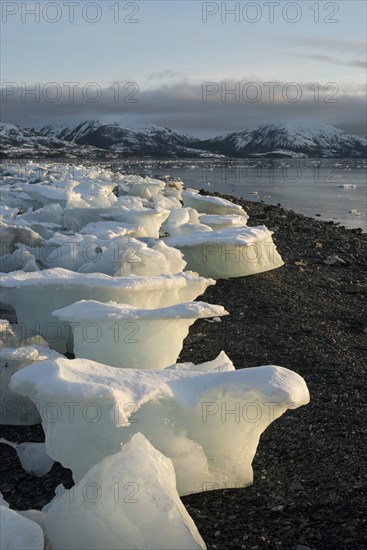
93	139
152	141
18	142
294	139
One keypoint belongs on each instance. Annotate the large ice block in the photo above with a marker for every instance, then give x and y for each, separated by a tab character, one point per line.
110	230
146	188
208	422
76	218
123	336
183	221
217	223
127	501
35	296
118	256
207	204
13	234
46	194
229	253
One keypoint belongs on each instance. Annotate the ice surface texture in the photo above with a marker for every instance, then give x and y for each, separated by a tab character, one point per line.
76	218
208	422
123	336
206	204
230	252
14	233
8	338
110	230
127	501
118	256
217	222
20	259
35	296
183	221
18	532
16	409
33	457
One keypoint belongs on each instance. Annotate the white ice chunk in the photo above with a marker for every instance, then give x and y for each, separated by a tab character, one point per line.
132	503
223	222
67	251
212	205
51	213
76	218
46	194
80	196
126	337
166	203
110	230
174	187
209	423
33	457
16	409
229	253
13	336
7	212
18	532
221	363
35	295
187	229
39	518
20	259
8	338
146	188
128	256
173	258
12	234
134	203
177	217
45	229
184	221
172	192
119	256
151	219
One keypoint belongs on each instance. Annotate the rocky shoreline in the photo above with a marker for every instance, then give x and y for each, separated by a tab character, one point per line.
310	470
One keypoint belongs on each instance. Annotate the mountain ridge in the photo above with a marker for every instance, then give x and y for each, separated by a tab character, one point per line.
277	139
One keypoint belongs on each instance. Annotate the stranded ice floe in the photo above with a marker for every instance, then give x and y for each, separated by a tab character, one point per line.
76	218
217	223
123	336
127	501
118	256
207	204
233	252
207	422
35	296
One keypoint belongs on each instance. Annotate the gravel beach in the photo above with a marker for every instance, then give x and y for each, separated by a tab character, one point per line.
310	469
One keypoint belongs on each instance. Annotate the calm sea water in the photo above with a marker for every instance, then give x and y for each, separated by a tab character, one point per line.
310	187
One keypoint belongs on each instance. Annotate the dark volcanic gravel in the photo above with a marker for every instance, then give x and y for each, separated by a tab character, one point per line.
310	471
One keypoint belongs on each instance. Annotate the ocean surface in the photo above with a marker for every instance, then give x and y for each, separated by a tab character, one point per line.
327	189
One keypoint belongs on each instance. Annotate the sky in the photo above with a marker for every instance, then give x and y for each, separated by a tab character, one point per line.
205	68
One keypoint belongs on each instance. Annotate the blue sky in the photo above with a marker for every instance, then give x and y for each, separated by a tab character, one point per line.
170	52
